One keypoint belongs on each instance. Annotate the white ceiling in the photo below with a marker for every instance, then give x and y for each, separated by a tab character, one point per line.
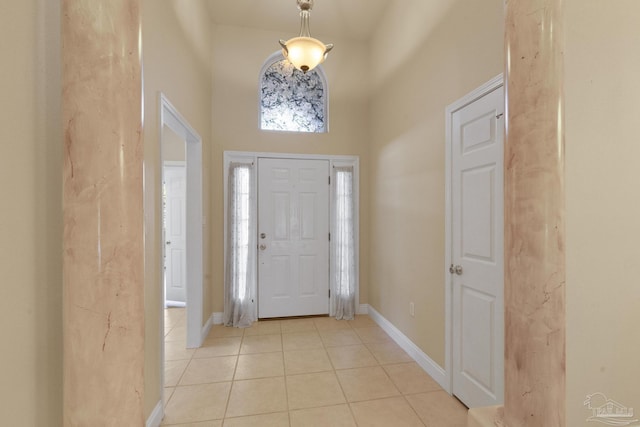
342	19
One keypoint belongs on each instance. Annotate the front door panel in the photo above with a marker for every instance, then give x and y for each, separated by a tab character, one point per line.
293	237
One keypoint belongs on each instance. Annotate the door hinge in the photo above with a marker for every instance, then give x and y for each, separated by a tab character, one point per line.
329	179
329	236
329	293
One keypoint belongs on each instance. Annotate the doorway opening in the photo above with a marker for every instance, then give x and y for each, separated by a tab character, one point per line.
178	138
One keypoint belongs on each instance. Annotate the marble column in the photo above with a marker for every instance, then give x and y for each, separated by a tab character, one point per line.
534	215
103	313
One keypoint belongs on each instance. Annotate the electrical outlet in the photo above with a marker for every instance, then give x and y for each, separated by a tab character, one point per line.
412	311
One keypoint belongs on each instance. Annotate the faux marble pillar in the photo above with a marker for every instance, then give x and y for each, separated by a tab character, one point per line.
103	315
534	216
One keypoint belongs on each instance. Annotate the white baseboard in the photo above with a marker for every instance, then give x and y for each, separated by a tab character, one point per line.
432	368
207	326
156	416
363	309
218	318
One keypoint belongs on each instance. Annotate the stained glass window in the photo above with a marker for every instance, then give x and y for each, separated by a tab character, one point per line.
291	100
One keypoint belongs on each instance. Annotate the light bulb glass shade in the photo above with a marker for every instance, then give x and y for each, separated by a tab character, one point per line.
305	53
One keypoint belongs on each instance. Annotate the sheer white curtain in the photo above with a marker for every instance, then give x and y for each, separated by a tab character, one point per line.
343	237
240	265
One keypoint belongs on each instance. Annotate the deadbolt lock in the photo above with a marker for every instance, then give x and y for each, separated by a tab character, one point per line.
455	269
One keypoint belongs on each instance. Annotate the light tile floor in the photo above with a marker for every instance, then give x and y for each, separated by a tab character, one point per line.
316	372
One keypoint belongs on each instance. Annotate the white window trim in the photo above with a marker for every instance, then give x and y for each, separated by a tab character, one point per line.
252	157
275	57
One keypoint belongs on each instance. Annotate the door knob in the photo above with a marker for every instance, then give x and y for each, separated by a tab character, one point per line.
263	247
455	269
168	243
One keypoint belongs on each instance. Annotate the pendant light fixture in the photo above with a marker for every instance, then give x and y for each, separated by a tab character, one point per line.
305	52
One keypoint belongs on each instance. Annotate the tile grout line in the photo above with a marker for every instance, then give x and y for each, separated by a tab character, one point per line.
402	395
284	379
344	394
226	407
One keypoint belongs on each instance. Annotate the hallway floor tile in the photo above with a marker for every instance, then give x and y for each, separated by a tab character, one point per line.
312	372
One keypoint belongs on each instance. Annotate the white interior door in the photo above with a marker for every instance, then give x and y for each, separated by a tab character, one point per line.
293	237
175	272
477	134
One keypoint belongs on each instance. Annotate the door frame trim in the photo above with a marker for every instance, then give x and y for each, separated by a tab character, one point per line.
172	118
467	99
251	156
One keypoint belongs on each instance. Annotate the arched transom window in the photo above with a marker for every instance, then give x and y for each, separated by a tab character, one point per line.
291	100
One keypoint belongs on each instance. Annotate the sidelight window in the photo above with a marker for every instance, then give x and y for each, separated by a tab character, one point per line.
240	256
343	236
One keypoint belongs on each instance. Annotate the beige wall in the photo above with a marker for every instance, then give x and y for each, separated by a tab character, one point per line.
602	87
442	53
173	146
238	56
31	214
177	56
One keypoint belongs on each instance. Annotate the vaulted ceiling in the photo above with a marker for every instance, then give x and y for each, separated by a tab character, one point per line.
342	19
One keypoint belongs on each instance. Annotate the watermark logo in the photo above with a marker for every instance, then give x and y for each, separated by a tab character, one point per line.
608	411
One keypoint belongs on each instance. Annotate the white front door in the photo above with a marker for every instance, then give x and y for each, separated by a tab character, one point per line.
175	234
477	134
293	237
